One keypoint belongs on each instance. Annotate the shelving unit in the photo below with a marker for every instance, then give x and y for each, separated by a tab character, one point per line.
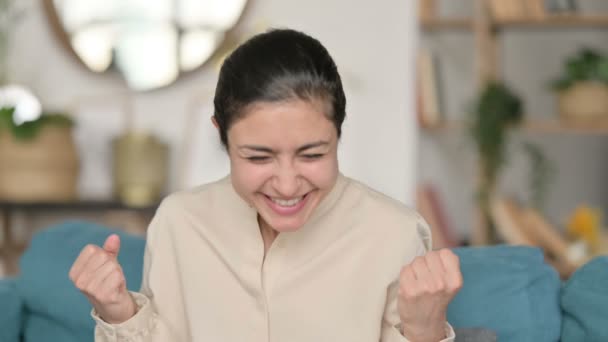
549	22
485	31
547	126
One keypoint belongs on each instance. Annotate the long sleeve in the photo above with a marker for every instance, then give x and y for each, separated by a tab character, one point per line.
391	324
159	316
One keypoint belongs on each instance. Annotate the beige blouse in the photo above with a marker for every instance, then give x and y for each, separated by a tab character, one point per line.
334	280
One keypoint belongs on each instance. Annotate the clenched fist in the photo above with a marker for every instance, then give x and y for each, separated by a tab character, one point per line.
97	273
426	287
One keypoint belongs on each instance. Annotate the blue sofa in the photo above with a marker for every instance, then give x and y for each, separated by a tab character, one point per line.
509	290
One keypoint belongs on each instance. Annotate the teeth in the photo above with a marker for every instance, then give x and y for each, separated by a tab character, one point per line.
287	203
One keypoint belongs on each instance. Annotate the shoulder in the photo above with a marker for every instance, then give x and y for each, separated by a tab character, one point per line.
194	205
205	196
391	217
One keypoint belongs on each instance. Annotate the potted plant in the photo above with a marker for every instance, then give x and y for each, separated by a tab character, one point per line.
494	112
38	158
583	87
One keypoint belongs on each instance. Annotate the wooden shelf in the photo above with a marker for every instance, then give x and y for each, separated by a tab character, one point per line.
557	126
546	126
571	21
85	204
446	24
557	21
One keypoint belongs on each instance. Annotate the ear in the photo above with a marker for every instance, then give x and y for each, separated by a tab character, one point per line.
217	126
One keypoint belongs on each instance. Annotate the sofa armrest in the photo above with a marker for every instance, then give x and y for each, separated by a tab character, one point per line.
11	315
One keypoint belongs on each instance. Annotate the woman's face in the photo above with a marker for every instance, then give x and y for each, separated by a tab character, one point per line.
283	158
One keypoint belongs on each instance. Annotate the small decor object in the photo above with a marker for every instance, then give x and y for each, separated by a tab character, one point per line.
585	225
139	168
583	88
38	158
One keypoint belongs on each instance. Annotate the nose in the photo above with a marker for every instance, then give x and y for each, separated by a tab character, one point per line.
287	180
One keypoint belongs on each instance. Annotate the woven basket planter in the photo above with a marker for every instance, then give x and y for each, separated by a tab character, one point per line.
43	169
584	103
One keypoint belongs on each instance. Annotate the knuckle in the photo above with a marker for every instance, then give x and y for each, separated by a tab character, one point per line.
407	292
444	252
440	287
455	287
459	284
428	290
81	283
90	249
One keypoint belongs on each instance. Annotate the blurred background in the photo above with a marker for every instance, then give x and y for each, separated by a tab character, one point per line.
491	117
126	89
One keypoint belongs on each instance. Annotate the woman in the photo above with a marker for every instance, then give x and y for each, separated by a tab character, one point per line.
285	248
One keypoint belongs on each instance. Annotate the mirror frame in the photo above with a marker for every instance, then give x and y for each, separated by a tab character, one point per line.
231	38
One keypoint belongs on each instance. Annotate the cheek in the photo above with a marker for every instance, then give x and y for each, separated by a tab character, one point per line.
249	177
322	173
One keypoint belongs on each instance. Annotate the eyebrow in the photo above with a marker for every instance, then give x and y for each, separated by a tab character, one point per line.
300	149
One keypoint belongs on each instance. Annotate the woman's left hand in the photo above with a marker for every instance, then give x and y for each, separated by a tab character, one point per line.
426	287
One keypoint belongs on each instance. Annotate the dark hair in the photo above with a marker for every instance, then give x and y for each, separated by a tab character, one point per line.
277	65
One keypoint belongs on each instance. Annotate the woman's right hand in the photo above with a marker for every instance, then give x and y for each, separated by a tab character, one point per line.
97	273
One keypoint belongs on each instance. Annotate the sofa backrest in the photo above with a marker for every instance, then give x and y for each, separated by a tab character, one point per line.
54	309
510	290
585	303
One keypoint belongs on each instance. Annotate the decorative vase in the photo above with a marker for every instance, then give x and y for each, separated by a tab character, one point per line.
584	102
140	168
45	168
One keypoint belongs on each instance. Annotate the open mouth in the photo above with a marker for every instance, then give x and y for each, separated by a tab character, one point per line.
287	206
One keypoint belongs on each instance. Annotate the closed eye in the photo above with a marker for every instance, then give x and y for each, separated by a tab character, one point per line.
313	156
258	159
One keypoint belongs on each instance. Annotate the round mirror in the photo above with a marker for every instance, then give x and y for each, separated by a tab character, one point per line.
150	42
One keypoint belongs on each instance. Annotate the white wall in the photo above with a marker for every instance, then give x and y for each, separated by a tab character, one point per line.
372	43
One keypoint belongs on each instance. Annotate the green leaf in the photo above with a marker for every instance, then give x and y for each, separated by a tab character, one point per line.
587	65
29	130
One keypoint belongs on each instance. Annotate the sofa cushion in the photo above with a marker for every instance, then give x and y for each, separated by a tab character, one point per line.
10	312
59	309
474	335
509	290
585	303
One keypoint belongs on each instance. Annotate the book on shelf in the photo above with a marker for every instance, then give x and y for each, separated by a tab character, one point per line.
431	208
561	6
507	9
518	9
535	9
427	89
427	9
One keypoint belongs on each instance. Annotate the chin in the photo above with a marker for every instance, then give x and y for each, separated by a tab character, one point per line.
286	227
